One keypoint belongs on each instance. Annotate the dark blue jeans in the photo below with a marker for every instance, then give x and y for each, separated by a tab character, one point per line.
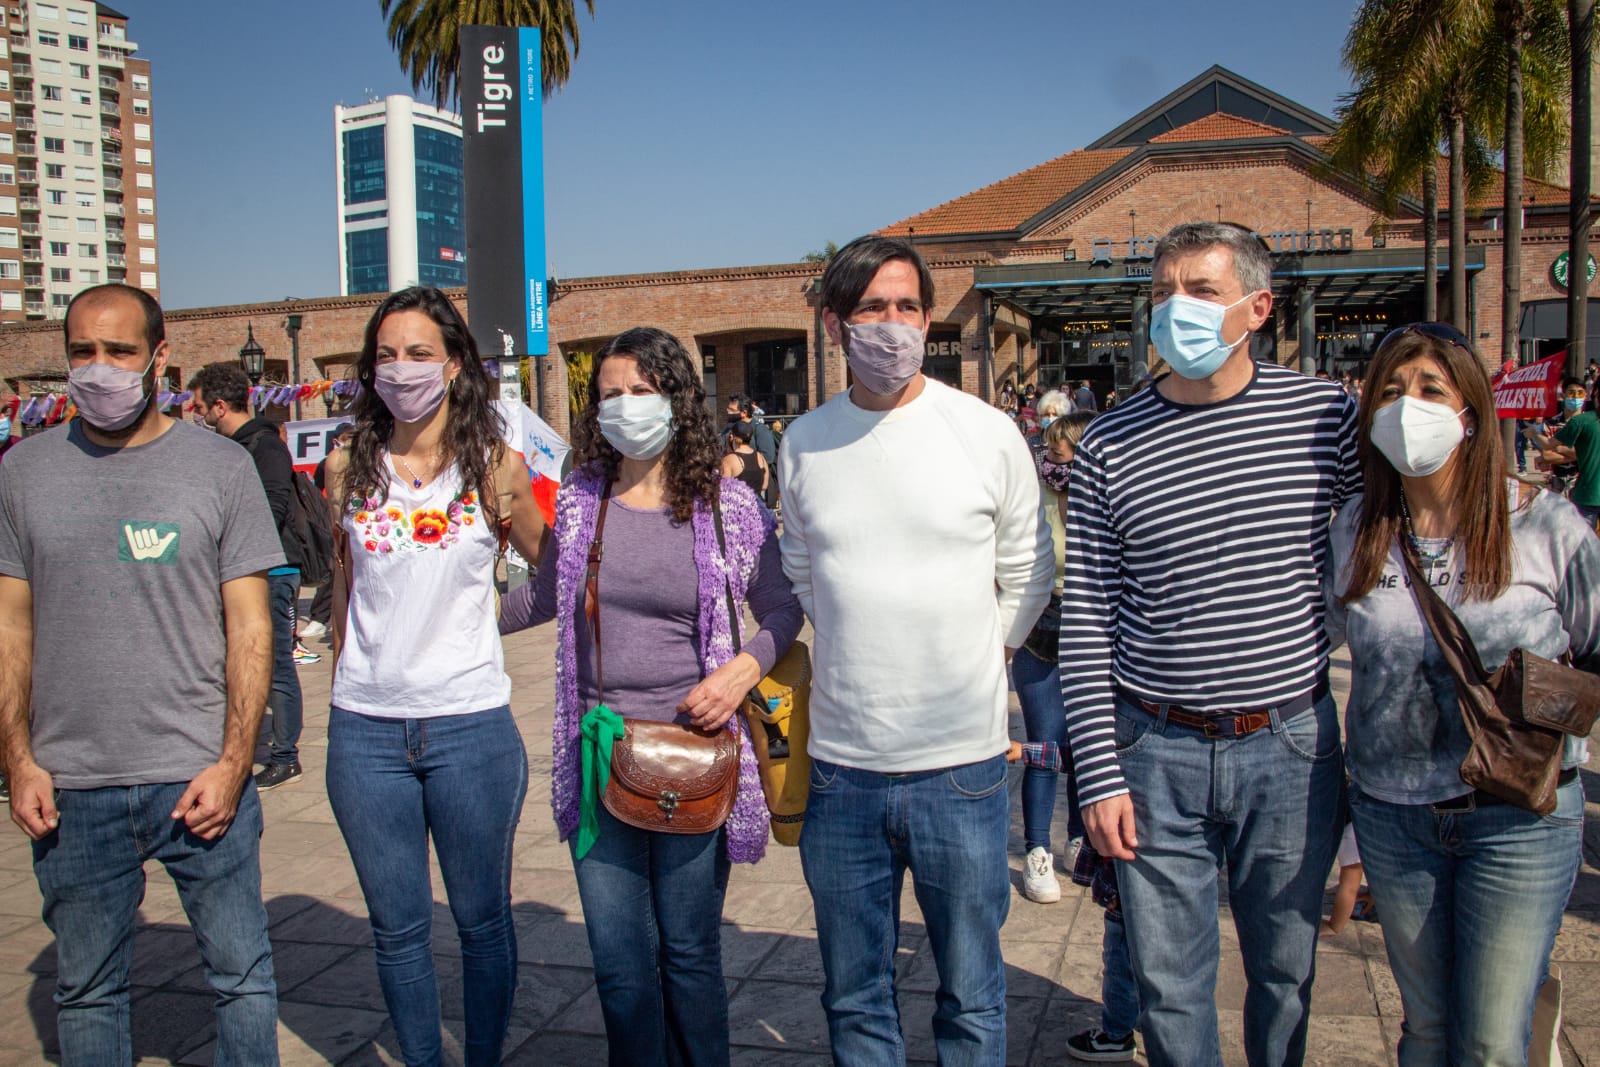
1119	992
284	699
91	873
652	906
459	779
1038	686
948	827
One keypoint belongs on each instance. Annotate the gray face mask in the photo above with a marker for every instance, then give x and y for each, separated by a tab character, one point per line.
884	356
109	398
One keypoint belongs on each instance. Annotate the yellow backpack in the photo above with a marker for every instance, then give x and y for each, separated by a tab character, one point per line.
778	711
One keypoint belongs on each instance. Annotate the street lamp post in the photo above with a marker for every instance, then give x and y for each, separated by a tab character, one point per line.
252	357
292	324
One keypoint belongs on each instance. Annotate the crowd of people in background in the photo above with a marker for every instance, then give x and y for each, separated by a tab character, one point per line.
1161	578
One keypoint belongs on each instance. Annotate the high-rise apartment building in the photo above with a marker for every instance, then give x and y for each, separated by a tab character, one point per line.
77	174
401	192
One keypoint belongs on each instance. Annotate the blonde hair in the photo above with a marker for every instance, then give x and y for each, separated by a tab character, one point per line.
1068	430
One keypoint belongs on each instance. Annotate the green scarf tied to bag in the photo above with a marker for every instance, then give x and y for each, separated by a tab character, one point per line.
601	728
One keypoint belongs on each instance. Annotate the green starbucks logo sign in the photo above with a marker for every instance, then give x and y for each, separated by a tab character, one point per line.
1560	268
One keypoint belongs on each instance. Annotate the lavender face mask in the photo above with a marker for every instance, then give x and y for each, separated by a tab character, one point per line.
884	356
410	389
109	398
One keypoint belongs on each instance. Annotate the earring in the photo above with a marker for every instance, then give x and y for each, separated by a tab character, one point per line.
1471	430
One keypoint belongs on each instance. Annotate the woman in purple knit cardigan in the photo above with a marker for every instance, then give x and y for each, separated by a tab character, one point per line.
652	902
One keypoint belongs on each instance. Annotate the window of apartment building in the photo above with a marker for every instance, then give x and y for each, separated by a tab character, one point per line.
55	144
5	80
47	11
8	174
5	111
10	269
83	97
56	196
147	254
49	66
141	107
7	143
147	231
8	237
147	205
88	226
141	84
52	118
8	205
50	92
89	251
49	39
58	248
89	275
141	155
60	300
86	200
114	30
77	42
83	122
83	148
61	274
147	279
55	170
141	131
77	18
5	49
11	301
56	222
79	70
144	180
85	174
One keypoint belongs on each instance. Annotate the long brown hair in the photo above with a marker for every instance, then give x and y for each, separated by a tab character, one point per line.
1483	517
694	457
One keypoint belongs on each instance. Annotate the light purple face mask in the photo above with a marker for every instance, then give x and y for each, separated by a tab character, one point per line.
410	389
884	356
109	398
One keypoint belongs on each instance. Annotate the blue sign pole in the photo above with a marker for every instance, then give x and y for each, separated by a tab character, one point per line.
533	258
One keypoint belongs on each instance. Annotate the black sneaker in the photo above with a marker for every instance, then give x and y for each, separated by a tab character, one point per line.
5	788
1097	1046
275	774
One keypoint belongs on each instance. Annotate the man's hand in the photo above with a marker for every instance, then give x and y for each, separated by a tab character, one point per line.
713	702
1109	824
208	806
33	801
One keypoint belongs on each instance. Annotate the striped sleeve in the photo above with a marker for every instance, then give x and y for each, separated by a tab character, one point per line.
1092	590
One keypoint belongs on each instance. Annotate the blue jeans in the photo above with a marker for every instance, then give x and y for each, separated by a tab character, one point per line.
91	875
1469	905
459	779
1271	806
652	906
1038	686
1119	991
284	699
948	827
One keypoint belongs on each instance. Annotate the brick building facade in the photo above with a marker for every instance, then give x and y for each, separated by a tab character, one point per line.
1041	276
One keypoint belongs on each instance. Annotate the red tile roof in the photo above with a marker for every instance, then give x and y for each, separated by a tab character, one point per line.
1009	202
1218	127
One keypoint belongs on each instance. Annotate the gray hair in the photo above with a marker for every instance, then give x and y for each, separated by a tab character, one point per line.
1251	262
1053	404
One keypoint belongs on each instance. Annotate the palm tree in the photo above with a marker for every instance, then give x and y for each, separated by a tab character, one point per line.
427	34
1580	25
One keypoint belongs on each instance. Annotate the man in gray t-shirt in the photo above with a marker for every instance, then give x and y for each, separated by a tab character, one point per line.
135	647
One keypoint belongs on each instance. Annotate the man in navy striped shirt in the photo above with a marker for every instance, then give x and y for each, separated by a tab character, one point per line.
1193	658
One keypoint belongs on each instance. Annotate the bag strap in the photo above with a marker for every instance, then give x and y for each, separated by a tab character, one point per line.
1454	642
591	599
774	735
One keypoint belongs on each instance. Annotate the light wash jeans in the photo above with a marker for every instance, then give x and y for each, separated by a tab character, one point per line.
1469	905
91	874
864	831
1271	806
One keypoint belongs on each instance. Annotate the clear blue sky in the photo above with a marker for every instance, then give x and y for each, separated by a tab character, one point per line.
694	134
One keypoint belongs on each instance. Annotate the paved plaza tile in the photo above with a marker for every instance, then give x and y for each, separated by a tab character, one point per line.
332	1010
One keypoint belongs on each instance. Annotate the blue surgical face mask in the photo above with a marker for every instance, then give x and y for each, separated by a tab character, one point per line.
1188	334
1573	404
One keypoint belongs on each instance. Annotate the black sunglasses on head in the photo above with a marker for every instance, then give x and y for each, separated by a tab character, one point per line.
1443	331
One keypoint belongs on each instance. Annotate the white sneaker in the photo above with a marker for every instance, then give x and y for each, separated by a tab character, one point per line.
312	628
1039	882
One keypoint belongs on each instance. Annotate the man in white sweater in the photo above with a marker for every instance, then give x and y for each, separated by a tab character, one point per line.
915	540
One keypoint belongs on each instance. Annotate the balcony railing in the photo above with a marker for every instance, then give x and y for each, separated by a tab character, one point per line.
35	307
23	96
114	184
27	150
32	255
108	82
31	229
116	236
114	210
111	159
24	122
33	281
108	108
22	70
110	57
116	259
28	203
28	177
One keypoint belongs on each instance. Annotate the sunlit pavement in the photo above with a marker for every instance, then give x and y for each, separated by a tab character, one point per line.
331	1010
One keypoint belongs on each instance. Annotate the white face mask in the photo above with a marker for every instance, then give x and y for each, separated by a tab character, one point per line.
639	427
1417	436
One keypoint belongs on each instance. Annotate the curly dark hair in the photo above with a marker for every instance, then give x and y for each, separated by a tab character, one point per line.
474	433
693	457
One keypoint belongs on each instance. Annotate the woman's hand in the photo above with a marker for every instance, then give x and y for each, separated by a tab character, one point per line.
713	702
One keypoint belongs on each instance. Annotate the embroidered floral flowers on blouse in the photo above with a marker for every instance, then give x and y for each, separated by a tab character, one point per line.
385	528
429	526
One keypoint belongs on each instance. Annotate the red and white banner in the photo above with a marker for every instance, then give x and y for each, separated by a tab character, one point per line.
1531	392
529	436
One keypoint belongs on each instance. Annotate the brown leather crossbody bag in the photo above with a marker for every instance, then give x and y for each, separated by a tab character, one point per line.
665	776
1516	716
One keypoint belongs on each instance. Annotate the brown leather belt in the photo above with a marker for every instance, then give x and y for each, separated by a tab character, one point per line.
1241	722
